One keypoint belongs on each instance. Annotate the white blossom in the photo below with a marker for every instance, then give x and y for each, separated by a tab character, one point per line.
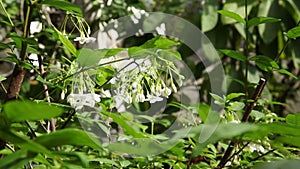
153	99
35	27
83	39
140	97
80	100
256	147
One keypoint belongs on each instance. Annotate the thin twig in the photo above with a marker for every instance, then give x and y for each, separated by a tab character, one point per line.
256	158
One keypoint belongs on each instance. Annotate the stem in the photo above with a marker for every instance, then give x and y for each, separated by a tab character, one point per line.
7	14
246	51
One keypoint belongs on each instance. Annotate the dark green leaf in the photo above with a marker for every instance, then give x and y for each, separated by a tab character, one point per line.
234	54
203	111
260	20
64	5
264	62
293	33
232	15
28	110
68	137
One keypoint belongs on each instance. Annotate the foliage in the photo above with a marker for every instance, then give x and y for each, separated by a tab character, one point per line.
42	48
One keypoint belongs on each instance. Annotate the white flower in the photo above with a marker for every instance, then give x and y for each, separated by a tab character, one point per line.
140	97
34	59
256	147
80	100
119	103
83	40
153	99
166	92
35	27
174	88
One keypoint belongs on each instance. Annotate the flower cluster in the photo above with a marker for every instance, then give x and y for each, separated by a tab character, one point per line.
148	79
82	27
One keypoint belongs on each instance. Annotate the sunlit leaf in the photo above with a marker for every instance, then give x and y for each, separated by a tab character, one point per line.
232	15
66	42
234	95
28	110
293	33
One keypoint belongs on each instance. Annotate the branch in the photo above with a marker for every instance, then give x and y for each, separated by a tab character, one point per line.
232	144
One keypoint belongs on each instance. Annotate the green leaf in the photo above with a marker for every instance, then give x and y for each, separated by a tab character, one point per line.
269	8
293	33
64	5
66	42
291	140
17	159
236	106
68	137
264	62
2	78
128	129
290	164
232	15
293	119
218	100
28	110
234	54
165	43
283	71
234	95
209	17
22	141
203	111
260	20
88	57
223	131
104	74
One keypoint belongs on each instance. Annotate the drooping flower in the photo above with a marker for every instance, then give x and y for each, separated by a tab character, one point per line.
83	39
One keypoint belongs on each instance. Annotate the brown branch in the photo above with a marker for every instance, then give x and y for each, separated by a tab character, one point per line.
232	144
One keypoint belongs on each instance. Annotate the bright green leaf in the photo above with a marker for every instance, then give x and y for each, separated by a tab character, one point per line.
232	15
66	42
68	137
28	110
234	54
293	119
293	33
234	95
260	20
2	78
